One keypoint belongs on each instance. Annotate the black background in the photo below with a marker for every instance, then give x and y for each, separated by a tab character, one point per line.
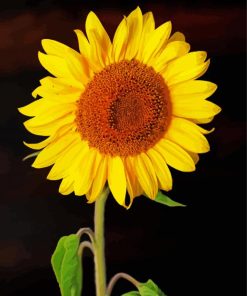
197	250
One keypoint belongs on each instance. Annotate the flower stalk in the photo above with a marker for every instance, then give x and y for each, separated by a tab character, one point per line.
99	245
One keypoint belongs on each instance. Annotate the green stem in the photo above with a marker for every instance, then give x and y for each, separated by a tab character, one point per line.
99	246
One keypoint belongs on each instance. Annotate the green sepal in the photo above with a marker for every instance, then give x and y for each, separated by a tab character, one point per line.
67	266
31	155
165	200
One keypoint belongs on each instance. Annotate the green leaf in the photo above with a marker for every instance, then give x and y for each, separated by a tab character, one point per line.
67	265
165	200
132	293
146	289
57	258
150	289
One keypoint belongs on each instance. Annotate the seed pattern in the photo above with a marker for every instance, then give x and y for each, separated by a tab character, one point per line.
124	110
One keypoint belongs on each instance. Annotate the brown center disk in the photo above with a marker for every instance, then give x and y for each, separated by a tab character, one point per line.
124	110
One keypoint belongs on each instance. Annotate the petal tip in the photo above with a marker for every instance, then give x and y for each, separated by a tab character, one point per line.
44	42
20	109
217	109
41	56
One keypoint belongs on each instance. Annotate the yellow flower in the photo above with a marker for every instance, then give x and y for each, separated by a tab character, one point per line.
121	111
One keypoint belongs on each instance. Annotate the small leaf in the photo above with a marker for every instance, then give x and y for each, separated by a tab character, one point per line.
150	289
146	289
132	293
67	266
165	200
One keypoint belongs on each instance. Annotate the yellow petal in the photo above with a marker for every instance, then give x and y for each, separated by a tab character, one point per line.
194	156
59	133
177	36
98	38
99	180
202	120
161	169
84	171
187	134
94	24
194	89
148	24
146	175
204	131
84	45
48	128
66	186
134	22
50	153
68	183
56	48
98	59
186	67
75	64
52	83
130	177
147	28
59	85
79	163
79	69
173	50
120	41
55	65
133	186
84	149
49	112
156	41
117	179
63	96
59	68
194	109
37	107
194	73
86	53
175	156
42	91
62	166
40	145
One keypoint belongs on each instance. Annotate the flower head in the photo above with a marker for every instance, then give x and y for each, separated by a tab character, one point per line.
123	111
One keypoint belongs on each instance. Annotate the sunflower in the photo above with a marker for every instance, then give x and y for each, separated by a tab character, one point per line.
120	111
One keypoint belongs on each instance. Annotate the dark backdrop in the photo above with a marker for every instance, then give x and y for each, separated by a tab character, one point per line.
197	250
